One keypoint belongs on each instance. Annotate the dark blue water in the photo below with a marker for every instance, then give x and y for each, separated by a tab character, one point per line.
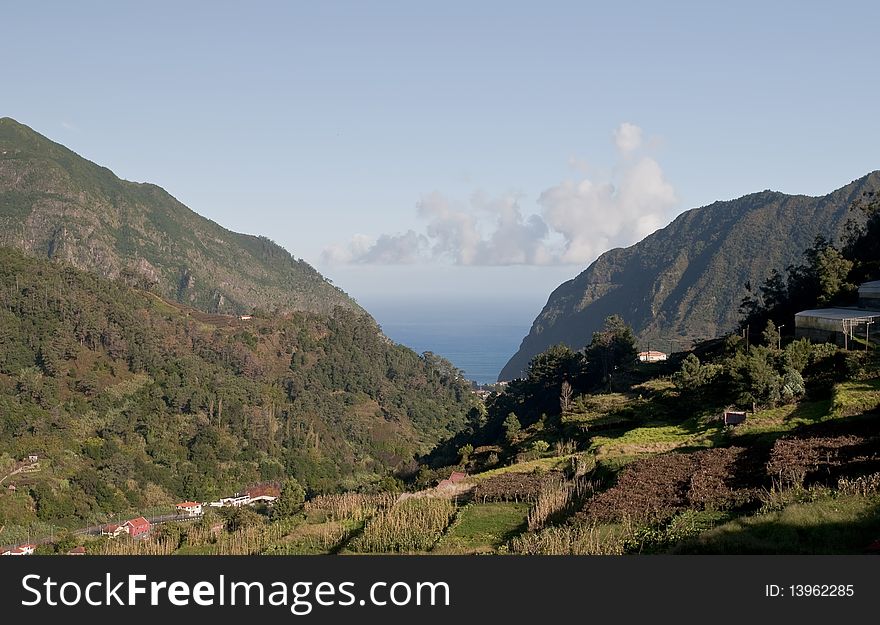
478	349
477	336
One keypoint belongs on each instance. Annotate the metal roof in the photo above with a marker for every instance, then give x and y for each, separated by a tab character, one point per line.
870	288
840	313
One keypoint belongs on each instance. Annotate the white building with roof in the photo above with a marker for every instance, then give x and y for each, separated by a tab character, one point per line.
843	326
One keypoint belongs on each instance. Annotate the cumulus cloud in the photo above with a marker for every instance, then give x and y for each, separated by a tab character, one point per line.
628	137
594	216
576	220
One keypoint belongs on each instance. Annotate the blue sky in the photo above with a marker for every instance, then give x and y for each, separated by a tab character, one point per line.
559	129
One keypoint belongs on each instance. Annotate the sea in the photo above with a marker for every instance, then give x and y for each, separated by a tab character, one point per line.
478	340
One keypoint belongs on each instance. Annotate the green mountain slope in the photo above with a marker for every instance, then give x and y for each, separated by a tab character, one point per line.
56	204
133	401
686	281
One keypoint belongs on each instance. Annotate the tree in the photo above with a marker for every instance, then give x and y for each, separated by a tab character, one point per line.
565	397
292	498
770	334
694	376
755	377
464	452
613	348
792	385
549	369
863	243
512	427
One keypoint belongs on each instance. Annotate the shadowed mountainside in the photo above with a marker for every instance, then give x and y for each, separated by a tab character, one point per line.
686	281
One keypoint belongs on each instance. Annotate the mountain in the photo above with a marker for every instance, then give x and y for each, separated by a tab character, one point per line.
56	204
133	401
686	281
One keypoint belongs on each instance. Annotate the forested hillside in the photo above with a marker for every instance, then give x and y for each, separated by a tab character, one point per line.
685	282
131	401
56	204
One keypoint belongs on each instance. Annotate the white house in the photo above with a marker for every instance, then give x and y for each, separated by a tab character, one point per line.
113	530
235	502
21	550
652	356
266	498
189	508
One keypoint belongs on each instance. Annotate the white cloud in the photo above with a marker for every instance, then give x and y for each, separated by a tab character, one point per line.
388	249
594	216
628	137
575	222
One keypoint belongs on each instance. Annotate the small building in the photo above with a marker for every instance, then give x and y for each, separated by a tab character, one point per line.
77	551
22	550
235	502
137	527
841	326
457	476
652	356
33	458
245	317
733	417
112	530
869	295
189	508
11	488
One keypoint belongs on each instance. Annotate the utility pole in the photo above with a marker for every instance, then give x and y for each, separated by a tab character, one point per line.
868	333
779	341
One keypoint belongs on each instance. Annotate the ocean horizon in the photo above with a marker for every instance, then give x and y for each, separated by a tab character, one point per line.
480	350
477	336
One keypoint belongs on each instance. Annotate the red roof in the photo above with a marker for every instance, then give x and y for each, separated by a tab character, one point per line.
457	476
77	551
188	504
112	527
138	522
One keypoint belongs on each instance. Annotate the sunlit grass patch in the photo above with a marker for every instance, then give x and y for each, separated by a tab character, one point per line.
481	528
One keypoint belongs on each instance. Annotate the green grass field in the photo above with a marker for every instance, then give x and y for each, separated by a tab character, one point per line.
832	524
482	528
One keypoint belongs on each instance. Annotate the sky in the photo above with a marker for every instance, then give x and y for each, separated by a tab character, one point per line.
459	151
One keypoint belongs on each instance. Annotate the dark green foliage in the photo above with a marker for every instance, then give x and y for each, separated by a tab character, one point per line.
511	427
611	351
863	241
755	377
694	376
770	335
292	498
148	403
820	280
